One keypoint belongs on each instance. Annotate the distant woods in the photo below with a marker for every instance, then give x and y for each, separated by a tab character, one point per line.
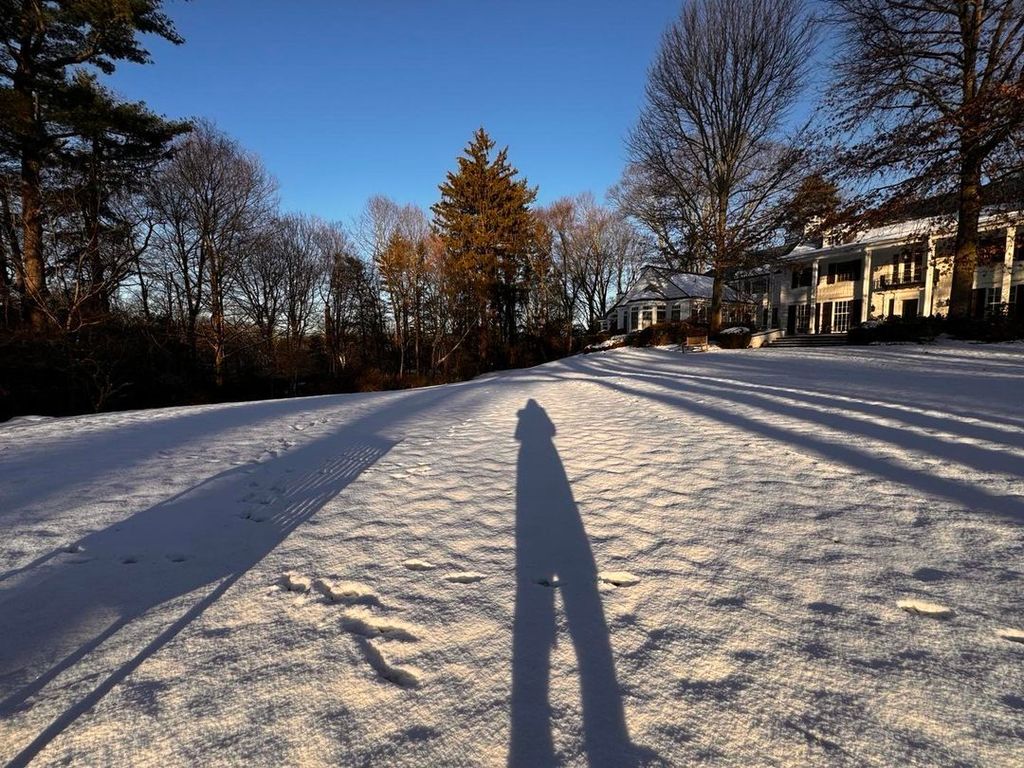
147	262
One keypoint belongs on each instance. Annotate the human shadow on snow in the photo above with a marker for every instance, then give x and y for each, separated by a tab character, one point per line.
552	548
186	552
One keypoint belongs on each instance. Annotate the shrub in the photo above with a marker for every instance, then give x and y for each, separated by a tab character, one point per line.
923	329
662	334
737	337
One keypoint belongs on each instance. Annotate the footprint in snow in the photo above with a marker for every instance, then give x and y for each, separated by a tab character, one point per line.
400	676
548	581
923	608
74	549
293	582
346	592
618	578
1013	635
465	577
360	621
418	565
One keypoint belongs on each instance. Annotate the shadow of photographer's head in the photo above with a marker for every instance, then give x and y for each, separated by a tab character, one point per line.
534	423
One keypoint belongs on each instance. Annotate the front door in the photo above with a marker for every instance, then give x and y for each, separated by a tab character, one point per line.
791	320
826	318
909	309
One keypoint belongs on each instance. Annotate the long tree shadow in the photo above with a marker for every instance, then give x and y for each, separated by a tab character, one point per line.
55	620
552	549
964	493
994	429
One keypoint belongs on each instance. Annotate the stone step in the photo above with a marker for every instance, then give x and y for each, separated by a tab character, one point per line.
812	340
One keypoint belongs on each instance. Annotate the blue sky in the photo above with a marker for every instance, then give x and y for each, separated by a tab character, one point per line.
348	98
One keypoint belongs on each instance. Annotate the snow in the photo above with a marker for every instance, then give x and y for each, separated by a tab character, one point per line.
765	513
736	330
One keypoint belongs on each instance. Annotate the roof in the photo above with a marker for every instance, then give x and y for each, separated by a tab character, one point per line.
900	232
658	284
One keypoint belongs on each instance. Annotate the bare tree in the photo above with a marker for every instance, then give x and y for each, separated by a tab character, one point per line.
260	287
213	200
710	138
928	98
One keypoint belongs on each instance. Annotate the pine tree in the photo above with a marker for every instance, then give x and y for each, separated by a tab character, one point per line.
44	46
487	227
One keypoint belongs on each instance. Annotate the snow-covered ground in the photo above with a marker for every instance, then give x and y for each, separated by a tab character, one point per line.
769	557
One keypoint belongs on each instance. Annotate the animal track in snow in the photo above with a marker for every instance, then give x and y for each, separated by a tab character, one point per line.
405	678
346	592
924	608
465	577
363	623
618	578
418	565
360	621
1013	635
293	582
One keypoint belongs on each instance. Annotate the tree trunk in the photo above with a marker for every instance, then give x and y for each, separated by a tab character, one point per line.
34	299
715	315
965	256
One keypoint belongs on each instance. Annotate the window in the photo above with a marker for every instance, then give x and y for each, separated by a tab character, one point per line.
907	269
677	312
841	317
1016	308
992	249
802	277
634	318
988	302
699	311
803	318
843	271
661	313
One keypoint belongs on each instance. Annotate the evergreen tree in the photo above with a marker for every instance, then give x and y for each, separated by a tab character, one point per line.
45	44
488	231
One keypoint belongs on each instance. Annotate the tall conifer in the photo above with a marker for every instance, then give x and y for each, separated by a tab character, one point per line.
487	227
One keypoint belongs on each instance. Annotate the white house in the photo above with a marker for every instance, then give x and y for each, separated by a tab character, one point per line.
658	295
902	269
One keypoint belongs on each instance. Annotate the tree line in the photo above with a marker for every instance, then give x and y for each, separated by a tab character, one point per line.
146	261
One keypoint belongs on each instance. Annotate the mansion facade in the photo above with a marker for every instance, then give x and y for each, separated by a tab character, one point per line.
898	270
902	270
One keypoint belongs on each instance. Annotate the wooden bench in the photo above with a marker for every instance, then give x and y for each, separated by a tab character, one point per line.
696	344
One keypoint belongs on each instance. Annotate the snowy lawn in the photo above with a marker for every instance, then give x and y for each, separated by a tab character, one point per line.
799	557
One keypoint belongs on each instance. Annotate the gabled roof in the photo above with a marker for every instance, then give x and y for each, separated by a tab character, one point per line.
658	284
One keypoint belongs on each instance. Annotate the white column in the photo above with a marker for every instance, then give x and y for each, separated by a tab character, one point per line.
1004	296
865	288
929	266
813	319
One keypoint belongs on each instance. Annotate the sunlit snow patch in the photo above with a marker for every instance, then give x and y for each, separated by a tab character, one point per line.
418	565
464	577
925	609
344	591
1013	635
618	578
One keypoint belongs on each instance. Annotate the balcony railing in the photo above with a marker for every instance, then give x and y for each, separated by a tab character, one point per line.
907	281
